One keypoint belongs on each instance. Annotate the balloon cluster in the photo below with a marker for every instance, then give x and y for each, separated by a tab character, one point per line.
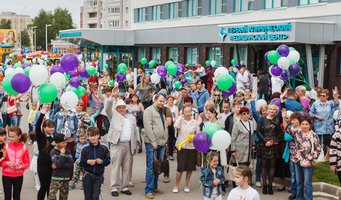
210	63
225	82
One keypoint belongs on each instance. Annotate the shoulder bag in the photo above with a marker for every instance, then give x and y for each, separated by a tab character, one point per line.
230	169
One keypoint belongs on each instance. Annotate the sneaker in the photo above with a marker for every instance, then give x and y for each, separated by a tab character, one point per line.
72	186
258	184
171	158
37	188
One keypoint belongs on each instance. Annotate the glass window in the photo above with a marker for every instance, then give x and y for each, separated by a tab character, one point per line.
92	3
157	13
174	54
113	10
175	10
114	24
141	53
308	2
216	54
92	15
156	54
217	6
194	8
270	4
243	55
243	5
192	56
141	12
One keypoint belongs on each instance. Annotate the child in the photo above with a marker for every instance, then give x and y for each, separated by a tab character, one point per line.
61	165
16	162
34	160
3	139
33	109
77	169
243	177
88	111
212	178
94	158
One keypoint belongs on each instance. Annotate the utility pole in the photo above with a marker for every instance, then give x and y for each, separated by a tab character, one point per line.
35	37
46	25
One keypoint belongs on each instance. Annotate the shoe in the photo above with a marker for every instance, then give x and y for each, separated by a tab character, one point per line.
37	188
72	186
166	179
258	184
149	196
187	190
293	196
127	192
265	189
157	191
114	193
281	189
270	191
171	158
139	151
175	190
131	184
82	187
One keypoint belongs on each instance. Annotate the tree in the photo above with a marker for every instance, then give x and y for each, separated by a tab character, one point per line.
5	24
25	39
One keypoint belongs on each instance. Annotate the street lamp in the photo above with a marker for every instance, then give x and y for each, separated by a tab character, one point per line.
35	37
46	25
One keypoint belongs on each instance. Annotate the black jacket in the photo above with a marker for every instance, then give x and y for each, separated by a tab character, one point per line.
63	162
91	152
44	158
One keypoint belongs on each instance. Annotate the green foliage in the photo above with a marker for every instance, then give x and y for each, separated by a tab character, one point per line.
322	173
5	24
25	39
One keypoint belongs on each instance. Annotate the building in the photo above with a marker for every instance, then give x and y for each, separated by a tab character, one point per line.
193	31
63	46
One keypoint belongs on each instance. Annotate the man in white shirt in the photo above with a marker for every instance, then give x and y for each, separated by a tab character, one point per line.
202	72
276	84
243	78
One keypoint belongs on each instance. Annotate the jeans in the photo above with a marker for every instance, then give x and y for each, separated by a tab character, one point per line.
15	120
258	168
304	180
293	186
151	179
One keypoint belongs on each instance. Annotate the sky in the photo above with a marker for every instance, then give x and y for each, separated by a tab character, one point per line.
32	7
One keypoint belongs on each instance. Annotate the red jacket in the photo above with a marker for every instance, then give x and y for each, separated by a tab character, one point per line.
19	154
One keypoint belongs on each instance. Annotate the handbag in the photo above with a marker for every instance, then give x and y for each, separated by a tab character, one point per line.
321	156
230	169
157	165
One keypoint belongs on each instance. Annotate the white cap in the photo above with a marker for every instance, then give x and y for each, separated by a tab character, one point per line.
120	102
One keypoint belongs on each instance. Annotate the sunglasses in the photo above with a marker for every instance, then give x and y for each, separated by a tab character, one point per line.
245	113
217	95
323	95
239	95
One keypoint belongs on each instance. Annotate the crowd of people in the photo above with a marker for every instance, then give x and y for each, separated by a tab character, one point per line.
284	137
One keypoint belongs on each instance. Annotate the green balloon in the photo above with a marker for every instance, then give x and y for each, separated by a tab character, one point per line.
81	92
106	66
67	76
273	57
91	70
301	62
17	65
292	49
6	84
177	84
47	61
151	64
111	83
72	89
27	71
122	68
234	62
52	59
168	63
23	60
143	61
225	82
172	69
292	61
207	62
47	93
211	128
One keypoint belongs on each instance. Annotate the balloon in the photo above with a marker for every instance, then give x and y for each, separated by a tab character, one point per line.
260	103
292	62
294	55
69	100
276	70
6	84
266	57
19	70
284	75
234	62
283	63
81	92
202	142
235	69
168	63
300	62
106	66
129	77
211	128
52	59
283	50
38	75
26	65
67	76
17	65
74	82
177	84
122	68
155	78
273	56
69	62
56	68
213	63
47	93
183	81
79	52
230	91
9	71
238	66
91	70
220	71
181	69
146	65
58	80
72	89
143	61
120	77
27	70
20	83
294	69
83	72
111	83
151	63
292	49
162	71
225	82
73	74
221	140
207	62
172	69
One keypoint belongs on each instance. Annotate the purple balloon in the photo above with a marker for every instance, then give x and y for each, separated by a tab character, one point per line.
55	69
202	142
74	82
69	62
230	91
181	69
284	75
34	56
87	75
294	69
83	72
277	102
266	57
183	81
276	70
24	56
26	65
146	65
162	71
73	74
48	56
42	52
79	52
20	83
238	66
283	50
120	77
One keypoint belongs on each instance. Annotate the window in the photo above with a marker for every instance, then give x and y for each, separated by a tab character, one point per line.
157	13
114	10
92	25
192	56
216	54
113	0
308	2
173	54
217	6
141	53
141	15
114	24
92	15
92	3
243	5
156	54
175	10
194	8
271	4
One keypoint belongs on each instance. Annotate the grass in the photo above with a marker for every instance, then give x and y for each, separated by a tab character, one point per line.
322	173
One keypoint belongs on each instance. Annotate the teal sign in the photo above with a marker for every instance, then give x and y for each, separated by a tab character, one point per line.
72	34
258	32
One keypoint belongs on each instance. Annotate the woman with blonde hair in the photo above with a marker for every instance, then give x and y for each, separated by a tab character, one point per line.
147	91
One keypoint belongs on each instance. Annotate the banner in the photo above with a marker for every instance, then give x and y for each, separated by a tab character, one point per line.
8	36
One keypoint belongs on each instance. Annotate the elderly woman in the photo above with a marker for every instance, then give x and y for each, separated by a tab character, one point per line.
147	90
322	112
186	158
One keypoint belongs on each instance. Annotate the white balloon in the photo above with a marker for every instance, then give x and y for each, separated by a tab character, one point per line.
80	57
19	70
69	100
34	60
38	74
235	69
220	71
155	78
19	62
294	55
9	71
221	140
260	103
283	63
129	77
58	79
213	63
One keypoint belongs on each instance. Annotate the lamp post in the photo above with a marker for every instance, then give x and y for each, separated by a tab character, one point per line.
35	37
46	25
